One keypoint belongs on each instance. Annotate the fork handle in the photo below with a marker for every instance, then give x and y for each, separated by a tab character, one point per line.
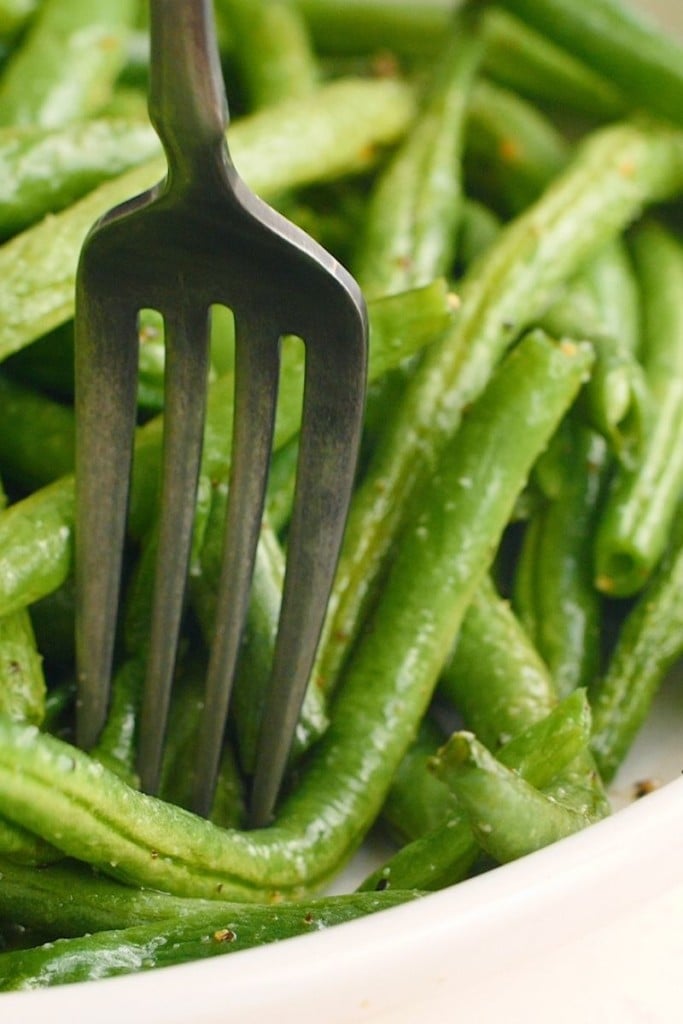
187	102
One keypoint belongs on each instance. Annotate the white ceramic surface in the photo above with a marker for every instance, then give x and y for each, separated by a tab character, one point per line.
590	930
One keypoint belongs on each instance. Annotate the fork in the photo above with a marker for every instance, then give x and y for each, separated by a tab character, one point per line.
196	239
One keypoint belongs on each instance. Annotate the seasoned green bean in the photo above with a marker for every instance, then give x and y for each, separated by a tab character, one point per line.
614	174
195	936
508	816
139	838
540	753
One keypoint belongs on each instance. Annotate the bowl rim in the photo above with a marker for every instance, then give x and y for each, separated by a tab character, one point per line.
365	967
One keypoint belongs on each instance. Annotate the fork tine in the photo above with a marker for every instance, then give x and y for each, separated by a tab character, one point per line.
187	346
257	363
332	416
106	380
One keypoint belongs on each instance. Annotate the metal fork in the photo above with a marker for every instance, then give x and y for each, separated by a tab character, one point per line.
199	238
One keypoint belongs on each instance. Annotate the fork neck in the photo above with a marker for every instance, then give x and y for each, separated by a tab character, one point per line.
187	103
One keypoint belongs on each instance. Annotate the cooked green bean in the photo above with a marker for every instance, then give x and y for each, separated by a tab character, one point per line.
22	683
615	173
508	816
615	40
413	214
649	643
494	675
43	172
198	934
528	62
272	49
555	595
141	839
36	435
640	507
66	67
539	754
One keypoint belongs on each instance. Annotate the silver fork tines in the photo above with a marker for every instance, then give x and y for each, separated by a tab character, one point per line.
197	239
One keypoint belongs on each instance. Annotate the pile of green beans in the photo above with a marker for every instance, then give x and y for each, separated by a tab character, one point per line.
509	597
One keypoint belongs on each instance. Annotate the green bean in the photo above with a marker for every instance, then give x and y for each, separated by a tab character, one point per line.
649	643
281	482
555	596
276	149
43	172
417	802
524	60
508	816
21	846
36	533
139	838
494	676
22	684
272	50
66	67
512	150
602	304
640	507
36	435
617	41
521	151
71	901
14	15
415	207
614	174
540	753
200	934
366	25
254	666
478	230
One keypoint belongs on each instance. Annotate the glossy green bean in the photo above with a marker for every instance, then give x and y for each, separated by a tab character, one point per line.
199	934
43	172
66	67
139	838
639	510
